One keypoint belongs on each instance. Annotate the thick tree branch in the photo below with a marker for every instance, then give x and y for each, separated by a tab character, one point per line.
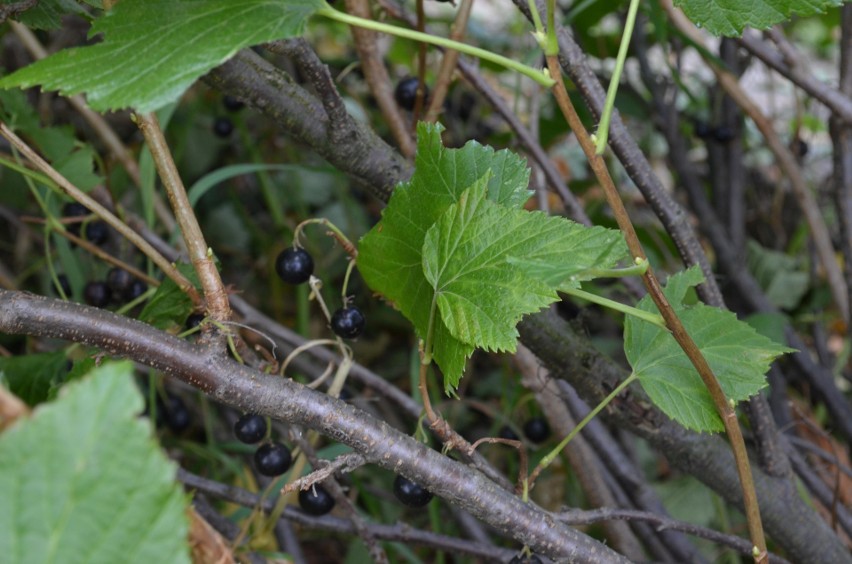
246	389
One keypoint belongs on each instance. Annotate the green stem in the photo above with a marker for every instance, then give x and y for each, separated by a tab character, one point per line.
535	74
551	456
427	344
606	116
552	44
652	318
638	269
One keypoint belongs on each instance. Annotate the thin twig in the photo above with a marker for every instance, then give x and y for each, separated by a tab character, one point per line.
378	79
786	162
448	63
75	193
215	296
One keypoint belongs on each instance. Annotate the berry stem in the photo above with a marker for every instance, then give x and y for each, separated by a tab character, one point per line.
551	456
533	73
338	235
606	115
652	318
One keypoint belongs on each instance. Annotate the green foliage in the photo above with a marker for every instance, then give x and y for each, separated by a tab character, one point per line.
83	481
738	355
729	17
780	275
31	377
170	306
74	160
456	251
153	51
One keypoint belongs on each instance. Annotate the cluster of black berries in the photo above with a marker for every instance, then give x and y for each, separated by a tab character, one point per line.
96	231
222	125
719	133
120	287
295	265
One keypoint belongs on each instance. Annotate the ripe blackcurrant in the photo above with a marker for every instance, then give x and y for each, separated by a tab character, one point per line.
316	500
537	430
723	134
64	284
348	322
405	93
74	209
250	428
118	280
137	288
97	232
177	415
272	459
194	320
232	104
410	493
507	432
223	127
294	265
96	294
702	129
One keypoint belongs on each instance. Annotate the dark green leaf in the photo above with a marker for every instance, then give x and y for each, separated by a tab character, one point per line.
152	51
30	377
729	17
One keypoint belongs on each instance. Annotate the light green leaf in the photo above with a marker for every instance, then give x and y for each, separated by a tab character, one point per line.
729	17
31	377
152	51
456	246
390	255
738	355
480	295
84	482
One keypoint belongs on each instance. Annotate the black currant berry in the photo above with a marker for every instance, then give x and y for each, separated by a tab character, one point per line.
802	147
316	500
74	209
272	459
64	284
250	428
348	322
723	134
409	493
232	104
294	265
406	92
537	430
223	127
507	432
96	294
177	415
137	288
97	232
194	320
118	280
702	129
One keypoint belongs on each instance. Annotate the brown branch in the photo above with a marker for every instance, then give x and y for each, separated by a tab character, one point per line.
378	79
244	388
786	162
75	193
448	63
215	296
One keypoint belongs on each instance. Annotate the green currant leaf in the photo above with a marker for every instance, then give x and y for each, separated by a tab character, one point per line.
31	377
84	481
729	17
390	255
170	306
738	355
152	51
455	246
